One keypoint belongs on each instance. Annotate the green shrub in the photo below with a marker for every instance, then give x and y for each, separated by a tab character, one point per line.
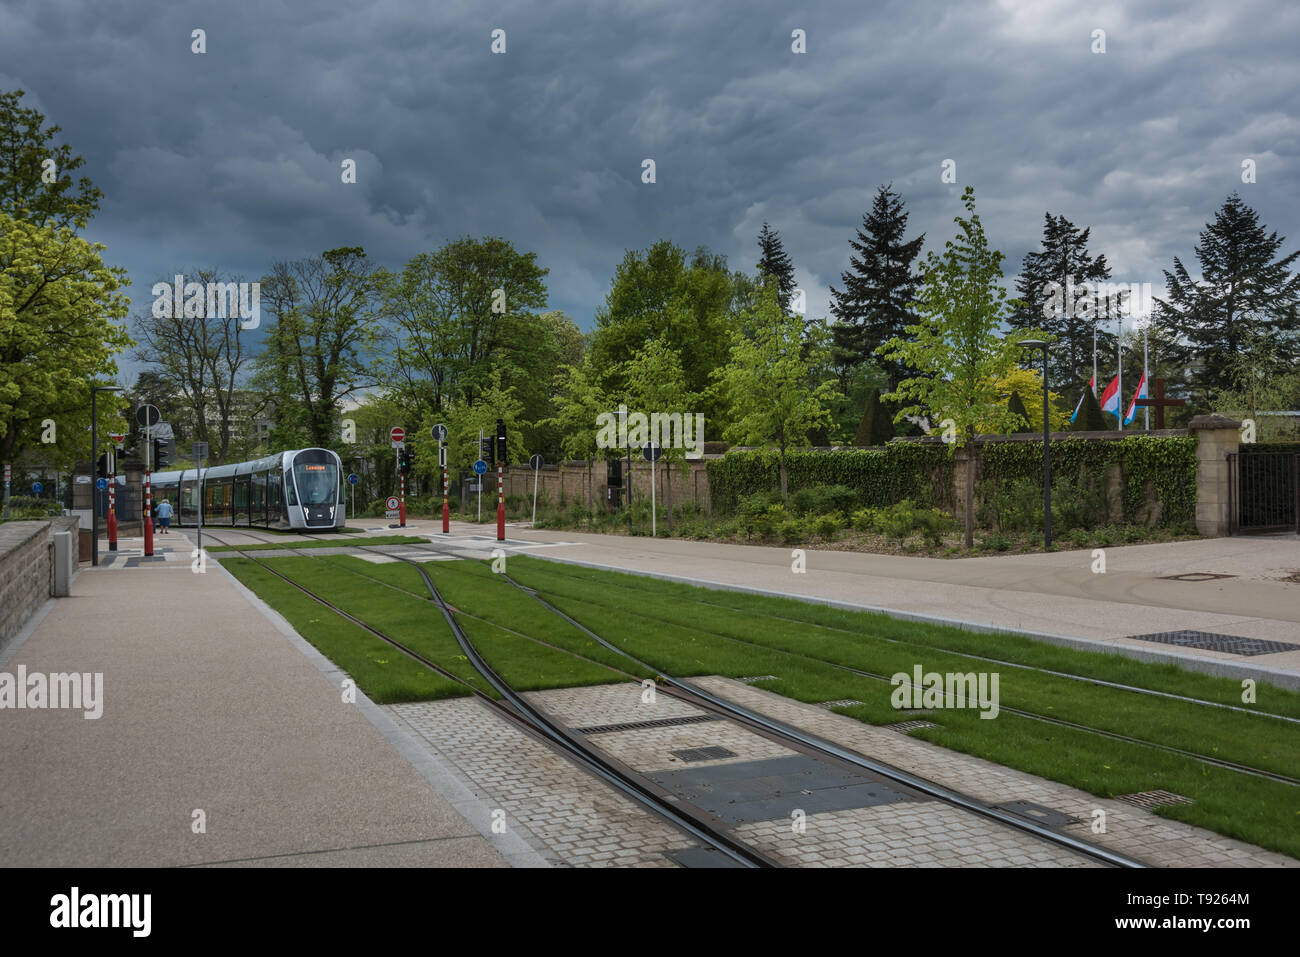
995	543
792	531
828	526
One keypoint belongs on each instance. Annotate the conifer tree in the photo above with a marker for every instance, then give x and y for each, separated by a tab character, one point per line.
1090	417
875	304
1242	295
1017	407
775	265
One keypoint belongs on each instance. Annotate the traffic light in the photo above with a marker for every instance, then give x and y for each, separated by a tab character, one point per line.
405	459
162	453
501	440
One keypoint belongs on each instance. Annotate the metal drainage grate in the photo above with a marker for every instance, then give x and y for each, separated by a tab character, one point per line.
903	727
842	703
655	723
1048	817
754	679
1194	577
1232	644
1154	799
711	753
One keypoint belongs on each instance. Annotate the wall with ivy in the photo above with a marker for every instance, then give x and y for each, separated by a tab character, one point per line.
1162	468
882	476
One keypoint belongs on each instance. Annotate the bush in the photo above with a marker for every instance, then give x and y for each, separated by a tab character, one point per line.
820	501
792	531
995	543
828	526
865	519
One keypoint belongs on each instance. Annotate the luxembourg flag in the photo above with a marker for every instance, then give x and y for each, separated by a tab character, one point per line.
1110	398
1141	393
1092	385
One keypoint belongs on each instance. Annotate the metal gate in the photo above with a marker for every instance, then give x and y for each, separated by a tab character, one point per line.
1264	492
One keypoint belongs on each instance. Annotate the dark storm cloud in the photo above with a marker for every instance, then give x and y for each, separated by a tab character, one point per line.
232	158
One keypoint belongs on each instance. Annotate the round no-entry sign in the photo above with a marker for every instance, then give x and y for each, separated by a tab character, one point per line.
398	434
392	502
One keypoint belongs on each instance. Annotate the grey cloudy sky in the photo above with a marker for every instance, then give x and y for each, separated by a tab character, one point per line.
231	159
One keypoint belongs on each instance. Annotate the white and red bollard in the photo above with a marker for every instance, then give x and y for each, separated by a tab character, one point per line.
148	515
501	507
112	513
446	509
401	508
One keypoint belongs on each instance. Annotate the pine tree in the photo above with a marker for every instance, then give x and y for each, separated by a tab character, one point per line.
1017	407
875	304
1242	295
1065	310
877	426
1090	417
775	265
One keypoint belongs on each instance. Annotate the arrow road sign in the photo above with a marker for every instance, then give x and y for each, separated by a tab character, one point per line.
101	484
535	462
439	432
36	488
147	415
480	467
352	478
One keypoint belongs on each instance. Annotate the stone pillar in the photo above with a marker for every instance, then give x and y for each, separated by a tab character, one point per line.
1217	437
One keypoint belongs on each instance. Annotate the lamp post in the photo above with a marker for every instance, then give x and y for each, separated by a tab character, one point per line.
1047	446
94	447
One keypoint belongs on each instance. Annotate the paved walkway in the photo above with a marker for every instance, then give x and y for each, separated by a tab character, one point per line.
208	706
1055	594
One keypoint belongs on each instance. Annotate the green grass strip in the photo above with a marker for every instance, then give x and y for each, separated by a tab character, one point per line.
318	543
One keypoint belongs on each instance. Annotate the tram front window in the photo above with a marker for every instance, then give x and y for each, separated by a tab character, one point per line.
316	483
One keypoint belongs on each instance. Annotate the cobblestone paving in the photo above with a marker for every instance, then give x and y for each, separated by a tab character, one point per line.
1130	830
565	814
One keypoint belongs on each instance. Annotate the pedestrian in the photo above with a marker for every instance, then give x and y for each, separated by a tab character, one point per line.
164	515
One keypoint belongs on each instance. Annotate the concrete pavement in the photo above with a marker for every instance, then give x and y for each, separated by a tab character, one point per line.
211	713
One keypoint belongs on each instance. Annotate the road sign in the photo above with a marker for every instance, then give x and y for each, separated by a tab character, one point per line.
535	462
397	434
147	415
652	452
101	484
118	438
199	450
82	480
480	467
352	478
439	432
393	502
37	487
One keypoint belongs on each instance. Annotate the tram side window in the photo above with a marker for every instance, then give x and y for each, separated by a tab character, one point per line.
273	493
188	502
291	497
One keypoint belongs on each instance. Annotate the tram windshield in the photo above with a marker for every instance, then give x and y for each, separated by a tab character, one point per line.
317	482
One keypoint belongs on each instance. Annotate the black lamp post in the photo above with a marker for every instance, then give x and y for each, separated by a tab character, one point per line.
1047	446
94	457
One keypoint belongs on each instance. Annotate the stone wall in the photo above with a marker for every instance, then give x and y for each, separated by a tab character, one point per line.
27	569
572	479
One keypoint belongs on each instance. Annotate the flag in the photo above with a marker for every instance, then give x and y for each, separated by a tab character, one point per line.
1141	393
1110	398
1092	384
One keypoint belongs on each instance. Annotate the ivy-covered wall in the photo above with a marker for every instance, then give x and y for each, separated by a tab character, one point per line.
1159	467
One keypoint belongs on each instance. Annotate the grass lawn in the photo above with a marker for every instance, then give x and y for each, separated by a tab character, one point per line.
320	543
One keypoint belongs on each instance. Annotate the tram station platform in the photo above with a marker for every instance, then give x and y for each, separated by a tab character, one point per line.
221	740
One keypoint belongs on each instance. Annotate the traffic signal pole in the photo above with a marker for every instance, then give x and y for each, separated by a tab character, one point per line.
148	492
446	509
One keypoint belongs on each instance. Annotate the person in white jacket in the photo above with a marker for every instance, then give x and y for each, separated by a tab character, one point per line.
164	515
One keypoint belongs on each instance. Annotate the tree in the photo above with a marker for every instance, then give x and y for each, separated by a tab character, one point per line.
34	181
1017	408
765	383
579	402
656	383
324	311
199	353
775	265
879	286
1090	417
1057	292
956	347
877	426
464	421
1242	296
58	336
1262	379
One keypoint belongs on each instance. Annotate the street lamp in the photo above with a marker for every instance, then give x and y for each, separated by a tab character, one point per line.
1047	446
94	450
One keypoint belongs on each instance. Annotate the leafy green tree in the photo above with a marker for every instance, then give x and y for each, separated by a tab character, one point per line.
656	383
1243	295
463	420
58	334
1017	408
34	181
1052	297
775	266
765	384
324	311
876	302
956	348
579	402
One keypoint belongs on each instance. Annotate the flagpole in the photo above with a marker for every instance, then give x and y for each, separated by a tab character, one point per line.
1094	357
1146	371
1119	355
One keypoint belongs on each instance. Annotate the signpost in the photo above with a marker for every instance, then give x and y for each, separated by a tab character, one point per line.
148	416
651	452
480	469
398	436
117	438
199	450
352	481
439	434
536	463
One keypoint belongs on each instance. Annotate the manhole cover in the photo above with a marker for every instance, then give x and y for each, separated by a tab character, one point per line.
1232	644
1152	799
753	679
842	703
903	727
1194	577
711	753
1046	816
655	723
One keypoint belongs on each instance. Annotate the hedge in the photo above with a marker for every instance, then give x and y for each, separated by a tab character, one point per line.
883	476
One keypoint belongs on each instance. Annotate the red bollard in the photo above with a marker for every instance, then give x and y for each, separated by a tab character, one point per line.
148	515
501	507
112	513
446	509
401	508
